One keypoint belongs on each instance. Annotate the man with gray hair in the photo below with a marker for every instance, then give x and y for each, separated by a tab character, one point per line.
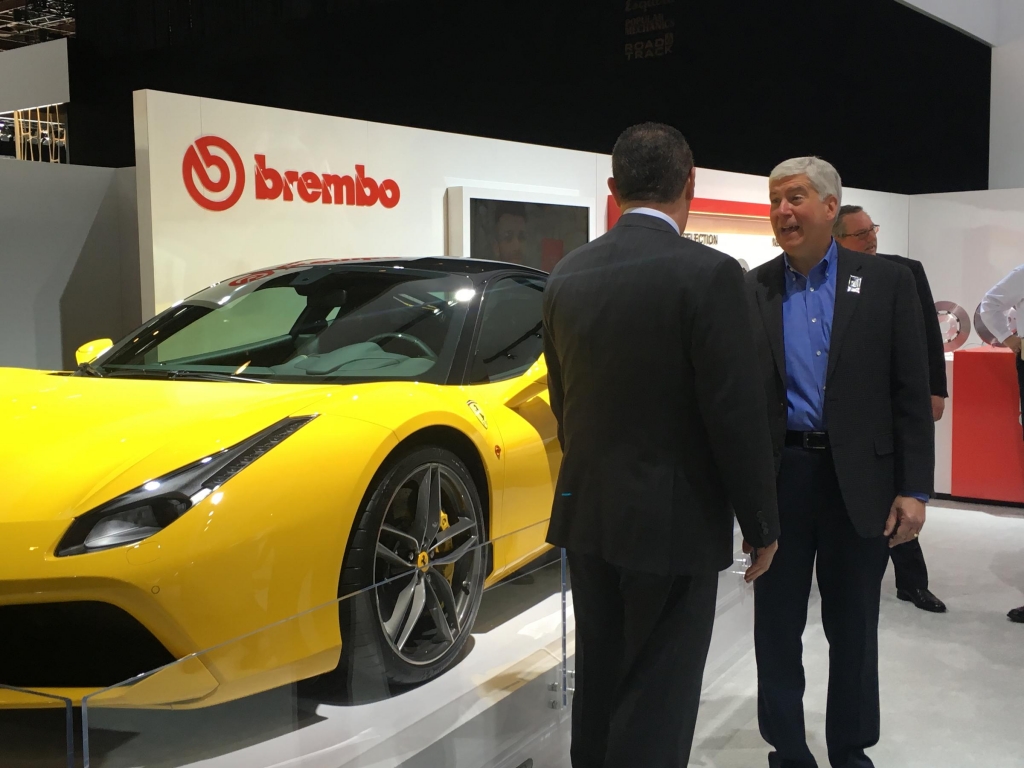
841	356
855	230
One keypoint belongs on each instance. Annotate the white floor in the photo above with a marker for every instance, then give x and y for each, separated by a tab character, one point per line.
952	684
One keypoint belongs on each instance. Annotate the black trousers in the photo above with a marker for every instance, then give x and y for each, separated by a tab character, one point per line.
909	565
641	644
817	529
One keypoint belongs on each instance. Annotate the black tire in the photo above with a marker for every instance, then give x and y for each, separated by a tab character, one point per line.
374	656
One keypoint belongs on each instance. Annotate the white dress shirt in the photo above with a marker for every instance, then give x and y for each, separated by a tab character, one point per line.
1005	295
657	214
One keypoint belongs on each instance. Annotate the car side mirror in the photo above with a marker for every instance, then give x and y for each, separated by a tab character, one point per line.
93	349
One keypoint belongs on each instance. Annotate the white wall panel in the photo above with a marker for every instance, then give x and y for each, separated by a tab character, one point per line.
188	247
1006	139
34	76
67	250
967	242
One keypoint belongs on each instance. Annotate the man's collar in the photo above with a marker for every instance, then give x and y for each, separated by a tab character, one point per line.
831	256
657	214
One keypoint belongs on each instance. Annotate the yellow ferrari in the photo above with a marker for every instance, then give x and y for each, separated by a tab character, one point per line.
255	451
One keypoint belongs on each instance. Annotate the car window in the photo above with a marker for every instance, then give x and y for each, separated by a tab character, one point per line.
322	323
510	337
260	315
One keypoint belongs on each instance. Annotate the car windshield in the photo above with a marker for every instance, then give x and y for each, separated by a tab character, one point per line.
325	323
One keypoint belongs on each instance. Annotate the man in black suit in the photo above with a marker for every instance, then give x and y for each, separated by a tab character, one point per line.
648	344
841	355
855	230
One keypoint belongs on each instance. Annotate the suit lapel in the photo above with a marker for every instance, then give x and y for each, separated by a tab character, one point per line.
846	304
770	297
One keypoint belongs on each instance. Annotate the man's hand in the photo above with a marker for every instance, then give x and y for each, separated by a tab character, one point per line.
938	407
763	557
906	518
1013	342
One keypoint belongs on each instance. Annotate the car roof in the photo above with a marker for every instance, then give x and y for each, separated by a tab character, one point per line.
479	269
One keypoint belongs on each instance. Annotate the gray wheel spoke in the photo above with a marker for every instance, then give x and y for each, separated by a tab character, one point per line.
437	614
465	524
407	538
419	600
428	506
392	558
458	554
443	592
392	625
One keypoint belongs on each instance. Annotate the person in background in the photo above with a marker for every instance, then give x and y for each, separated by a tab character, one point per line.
855	230
510	233
841	357
664	432
1005	295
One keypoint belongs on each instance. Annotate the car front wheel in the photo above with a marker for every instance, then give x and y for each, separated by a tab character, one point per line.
414	573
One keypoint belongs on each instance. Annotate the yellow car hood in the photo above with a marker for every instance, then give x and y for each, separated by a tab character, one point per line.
69	443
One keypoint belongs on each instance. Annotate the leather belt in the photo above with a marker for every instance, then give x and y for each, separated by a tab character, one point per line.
809	441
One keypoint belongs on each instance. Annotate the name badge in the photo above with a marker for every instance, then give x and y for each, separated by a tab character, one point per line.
854	286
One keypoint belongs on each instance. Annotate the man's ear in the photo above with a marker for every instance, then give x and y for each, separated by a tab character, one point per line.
832	205
691	185
614	189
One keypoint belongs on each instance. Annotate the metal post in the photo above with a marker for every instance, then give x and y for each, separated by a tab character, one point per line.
565	660
85	731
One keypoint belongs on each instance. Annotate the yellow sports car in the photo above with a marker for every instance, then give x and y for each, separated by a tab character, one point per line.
257	450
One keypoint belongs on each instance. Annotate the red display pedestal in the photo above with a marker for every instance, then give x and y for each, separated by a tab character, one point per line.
988	447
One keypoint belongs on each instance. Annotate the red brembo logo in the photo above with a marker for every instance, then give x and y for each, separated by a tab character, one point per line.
199	158
271	184
325	188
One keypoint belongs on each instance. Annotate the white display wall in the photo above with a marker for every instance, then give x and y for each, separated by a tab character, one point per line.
69	260
967	242
186	246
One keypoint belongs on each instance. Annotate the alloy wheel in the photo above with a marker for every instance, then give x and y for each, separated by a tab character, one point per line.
427	560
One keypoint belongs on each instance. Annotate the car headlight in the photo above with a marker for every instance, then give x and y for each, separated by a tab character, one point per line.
144	511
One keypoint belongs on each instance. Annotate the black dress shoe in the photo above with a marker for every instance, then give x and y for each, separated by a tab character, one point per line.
923	599
1017	615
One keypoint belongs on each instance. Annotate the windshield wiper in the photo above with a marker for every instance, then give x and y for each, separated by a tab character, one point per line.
88	369
182	375
212	376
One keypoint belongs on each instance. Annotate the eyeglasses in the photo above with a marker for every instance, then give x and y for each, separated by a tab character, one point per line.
862	233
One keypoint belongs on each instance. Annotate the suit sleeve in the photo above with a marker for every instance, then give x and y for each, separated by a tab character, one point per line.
936	354
556	390
914	430
732	403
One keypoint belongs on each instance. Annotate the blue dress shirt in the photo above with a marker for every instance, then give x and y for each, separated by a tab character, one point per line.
807	311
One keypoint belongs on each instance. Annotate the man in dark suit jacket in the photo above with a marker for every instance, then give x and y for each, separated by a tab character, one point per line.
841	356
855	230
664	432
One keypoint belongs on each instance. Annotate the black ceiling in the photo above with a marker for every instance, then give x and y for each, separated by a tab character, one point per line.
897	101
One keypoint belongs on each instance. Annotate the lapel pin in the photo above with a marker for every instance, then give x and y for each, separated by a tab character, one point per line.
854	286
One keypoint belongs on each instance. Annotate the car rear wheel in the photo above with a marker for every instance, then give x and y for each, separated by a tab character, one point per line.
414	571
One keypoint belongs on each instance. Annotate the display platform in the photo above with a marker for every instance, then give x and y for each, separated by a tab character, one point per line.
502	705
988	444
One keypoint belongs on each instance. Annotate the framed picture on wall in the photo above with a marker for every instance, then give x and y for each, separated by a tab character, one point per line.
521	228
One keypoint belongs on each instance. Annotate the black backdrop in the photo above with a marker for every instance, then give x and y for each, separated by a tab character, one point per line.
897	101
